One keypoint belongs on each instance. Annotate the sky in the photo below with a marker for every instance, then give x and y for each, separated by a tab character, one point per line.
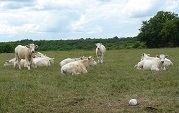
75	19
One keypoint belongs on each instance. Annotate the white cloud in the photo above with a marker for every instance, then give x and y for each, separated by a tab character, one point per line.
76	18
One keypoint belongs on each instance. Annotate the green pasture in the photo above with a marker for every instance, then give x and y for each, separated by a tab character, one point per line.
106	88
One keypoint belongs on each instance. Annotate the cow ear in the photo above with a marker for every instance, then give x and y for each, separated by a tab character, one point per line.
89	57
157	56
148	54
36	46
166	56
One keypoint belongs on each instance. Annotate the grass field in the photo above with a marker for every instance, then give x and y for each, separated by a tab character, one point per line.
106	88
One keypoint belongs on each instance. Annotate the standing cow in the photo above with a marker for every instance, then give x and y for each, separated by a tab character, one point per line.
25	52
100	51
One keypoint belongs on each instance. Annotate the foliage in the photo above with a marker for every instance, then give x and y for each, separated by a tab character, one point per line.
160	31
106	88
78	44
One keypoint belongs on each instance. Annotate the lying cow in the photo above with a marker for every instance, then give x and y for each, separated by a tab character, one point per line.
39	54
152	64
25	52
14	62
78	67
100	51
68	60
42	61
167	62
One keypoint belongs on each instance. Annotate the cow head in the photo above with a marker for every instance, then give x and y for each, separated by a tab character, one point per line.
162	57
32	47
92	62
144	56
98	45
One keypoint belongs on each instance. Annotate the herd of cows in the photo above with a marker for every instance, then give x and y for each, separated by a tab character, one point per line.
25	56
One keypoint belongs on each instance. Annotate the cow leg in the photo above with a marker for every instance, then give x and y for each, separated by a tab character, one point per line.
164	68
28	64
85	71
18	62
75	73
102	59
98	59
15	63
154	68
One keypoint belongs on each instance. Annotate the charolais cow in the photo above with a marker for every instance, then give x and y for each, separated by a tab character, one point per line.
167	62
100	51
13	61
68	60
42	61
152	64
25	52
39	54
78	67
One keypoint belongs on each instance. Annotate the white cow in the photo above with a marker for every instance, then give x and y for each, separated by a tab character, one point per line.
42	61
167	62
152	64
39	54
78	67
25	52
68	60
13	61
100	51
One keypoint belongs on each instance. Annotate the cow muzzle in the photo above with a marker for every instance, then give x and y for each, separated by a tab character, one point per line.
162	62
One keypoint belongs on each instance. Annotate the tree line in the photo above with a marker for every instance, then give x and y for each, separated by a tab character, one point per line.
78	44
162	30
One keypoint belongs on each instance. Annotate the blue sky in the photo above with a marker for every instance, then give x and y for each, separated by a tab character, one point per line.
74	19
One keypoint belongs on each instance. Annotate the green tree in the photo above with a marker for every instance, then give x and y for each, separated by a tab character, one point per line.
170	33
153	32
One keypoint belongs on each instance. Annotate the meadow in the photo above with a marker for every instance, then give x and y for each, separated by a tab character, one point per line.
106	88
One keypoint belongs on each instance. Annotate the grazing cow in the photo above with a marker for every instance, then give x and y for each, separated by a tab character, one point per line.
152	64
78	67
25	52
167	62
68	60
42	61
100	51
